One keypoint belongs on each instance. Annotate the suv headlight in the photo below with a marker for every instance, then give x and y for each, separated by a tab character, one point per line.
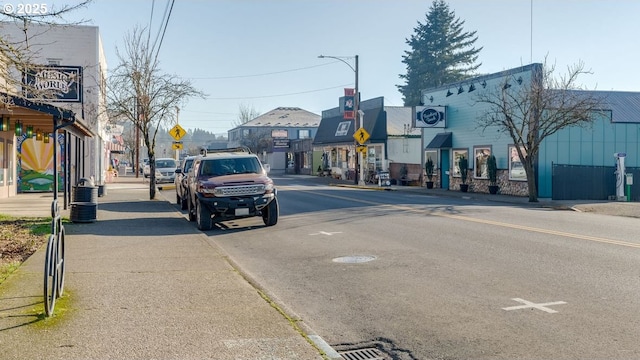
269	188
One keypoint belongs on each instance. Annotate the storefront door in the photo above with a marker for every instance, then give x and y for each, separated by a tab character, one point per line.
444	168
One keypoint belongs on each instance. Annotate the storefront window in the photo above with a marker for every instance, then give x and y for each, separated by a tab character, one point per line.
374	158
9	156
433	155
516	169
3	161
457	154
481	155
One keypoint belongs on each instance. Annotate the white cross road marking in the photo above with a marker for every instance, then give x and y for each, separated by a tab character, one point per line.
529	304
326	233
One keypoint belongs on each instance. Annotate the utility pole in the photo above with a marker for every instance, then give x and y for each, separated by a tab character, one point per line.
359	165
177	122
137	125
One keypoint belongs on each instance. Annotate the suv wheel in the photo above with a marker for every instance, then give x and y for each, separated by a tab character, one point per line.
203	217
182	201
270	213
191	211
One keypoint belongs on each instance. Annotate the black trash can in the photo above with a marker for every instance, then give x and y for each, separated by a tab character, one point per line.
84	212
102	190
84	201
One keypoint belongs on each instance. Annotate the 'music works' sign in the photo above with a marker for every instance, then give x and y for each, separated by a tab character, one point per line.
54	83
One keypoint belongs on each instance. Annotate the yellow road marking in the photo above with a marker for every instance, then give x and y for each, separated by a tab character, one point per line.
495	223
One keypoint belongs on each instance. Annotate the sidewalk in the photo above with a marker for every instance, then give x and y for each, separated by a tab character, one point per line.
142	283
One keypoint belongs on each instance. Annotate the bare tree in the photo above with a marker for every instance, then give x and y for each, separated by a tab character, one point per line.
16	58
529	114
138	91
246	114
257	141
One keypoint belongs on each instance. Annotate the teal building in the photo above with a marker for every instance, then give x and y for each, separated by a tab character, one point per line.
574	163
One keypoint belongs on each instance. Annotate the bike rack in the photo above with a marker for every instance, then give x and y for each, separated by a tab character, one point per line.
54	261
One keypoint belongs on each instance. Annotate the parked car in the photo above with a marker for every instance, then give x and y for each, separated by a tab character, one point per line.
181	181
166	170
145	168
230	184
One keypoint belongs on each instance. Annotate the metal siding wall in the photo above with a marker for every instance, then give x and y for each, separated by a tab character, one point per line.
463	112
548	153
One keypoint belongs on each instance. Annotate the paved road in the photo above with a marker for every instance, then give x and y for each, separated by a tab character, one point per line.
451	277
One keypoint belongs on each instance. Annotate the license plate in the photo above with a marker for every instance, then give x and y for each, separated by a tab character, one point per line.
242	211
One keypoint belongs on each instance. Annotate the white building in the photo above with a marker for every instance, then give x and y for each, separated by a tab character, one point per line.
75	64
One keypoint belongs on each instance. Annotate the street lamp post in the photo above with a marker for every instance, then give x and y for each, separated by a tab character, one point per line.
358	123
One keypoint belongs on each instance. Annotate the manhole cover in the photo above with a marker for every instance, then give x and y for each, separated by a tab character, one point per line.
356	259
362	354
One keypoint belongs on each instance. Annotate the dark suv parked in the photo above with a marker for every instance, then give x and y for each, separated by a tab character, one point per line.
230	184
182	193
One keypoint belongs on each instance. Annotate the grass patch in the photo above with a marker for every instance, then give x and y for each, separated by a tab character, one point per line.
20	237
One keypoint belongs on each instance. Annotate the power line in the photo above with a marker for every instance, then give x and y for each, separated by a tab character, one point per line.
153	3
165	27
256	75
278	95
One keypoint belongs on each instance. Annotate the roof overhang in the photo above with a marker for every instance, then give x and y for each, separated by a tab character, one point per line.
40	115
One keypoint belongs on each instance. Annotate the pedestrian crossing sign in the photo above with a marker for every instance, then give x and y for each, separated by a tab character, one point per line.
177	132
361	136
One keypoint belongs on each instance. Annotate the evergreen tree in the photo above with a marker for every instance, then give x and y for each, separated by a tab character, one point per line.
441	53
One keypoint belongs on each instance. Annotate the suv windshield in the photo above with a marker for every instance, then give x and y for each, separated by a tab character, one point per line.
219	167
166	164
187	165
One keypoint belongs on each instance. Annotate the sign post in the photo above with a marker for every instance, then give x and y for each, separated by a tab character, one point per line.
177	133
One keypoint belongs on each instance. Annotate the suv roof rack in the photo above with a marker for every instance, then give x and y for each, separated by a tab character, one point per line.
245	149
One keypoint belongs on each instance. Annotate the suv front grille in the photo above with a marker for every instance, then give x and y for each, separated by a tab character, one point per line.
243	190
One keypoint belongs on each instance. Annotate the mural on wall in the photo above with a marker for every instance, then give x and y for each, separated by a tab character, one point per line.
35	164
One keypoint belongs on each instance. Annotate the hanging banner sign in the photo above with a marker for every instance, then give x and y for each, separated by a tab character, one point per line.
349	104
430	116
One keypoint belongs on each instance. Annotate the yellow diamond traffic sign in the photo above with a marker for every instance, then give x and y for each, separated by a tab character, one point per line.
177	132
361	136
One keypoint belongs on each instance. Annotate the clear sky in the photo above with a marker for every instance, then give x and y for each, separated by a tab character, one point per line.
264	53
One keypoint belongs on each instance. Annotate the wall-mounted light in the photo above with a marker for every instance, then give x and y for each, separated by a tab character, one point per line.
39	135
46	138
29	131
460	90
484	84
506	86
18	128
519	80
431	98
449	93
4	124
472	88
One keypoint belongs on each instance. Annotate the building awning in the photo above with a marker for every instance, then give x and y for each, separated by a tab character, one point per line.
440	141
41	115
114	147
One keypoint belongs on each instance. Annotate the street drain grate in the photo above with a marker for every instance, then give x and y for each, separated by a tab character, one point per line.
362	354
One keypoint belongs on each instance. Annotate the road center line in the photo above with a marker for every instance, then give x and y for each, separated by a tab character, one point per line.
495	223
